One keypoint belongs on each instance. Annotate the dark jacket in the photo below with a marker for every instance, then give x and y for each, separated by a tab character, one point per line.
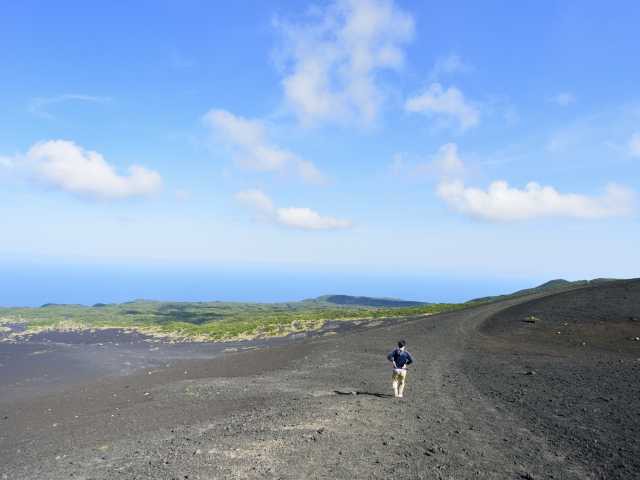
400	358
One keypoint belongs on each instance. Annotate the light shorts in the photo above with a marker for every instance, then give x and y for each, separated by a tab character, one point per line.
399	374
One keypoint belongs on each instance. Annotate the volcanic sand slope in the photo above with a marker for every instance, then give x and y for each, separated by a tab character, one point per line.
570	364
276	413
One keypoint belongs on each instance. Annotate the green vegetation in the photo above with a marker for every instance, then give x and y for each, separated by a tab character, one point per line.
209	320
229	320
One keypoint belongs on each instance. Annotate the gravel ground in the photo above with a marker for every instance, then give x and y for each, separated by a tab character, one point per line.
569	366
322	409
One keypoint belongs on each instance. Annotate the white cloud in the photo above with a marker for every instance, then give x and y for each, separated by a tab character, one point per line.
69	167
331	62
563	99
256	200
307	219
309	172
448	65
254	151
504	203
293	217
448	104
634	145
446	163
398	163
38	106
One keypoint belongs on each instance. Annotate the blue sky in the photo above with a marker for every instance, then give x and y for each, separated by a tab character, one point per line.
351	136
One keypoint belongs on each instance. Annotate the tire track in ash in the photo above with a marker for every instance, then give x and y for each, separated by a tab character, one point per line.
443	429
481	439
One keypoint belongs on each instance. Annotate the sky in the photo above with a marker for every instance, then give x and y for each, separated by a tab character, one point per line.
348	139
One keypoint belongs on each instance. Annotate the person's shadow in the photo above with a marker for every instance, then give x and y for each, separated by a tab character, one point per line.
360	392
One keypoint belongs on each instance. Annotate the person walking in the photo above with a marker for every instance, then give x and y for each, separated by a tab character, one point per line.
400	359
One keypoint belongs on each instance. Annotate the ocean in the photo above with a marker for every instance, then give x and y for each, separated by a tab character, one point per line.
36	284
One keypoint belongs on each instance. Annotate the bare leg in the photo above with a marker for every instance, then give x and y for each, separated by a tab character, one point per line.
395	386
401	383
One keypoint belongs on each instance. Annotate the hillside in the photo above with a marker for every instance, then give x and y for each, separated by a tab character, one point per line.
348	300
210	321
556	284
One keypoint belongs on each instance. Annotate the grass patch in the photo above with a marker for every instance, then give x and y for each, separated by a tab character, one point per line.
206	321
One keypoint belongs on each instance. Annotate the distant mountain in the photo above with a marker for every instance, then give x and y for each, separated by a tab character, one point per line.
62	305
348	300
557	284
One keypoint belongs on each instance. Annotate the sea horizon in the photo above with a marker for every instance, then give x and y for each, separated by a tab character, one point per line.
35	285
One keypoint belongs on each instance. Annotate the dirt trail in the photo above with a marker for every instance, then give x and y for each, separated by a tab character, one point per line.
291	414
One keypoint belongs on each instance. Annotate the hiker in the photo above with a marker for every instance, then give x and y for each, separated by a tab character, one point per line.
400	359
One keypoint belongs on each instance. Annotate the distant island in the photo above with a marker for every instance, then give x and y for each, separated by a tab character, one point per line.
220	321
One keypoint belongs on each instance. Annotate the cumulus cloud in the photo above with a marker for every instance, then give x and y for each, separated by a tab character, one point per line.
446	163
500	202
448	105
66	166
634	145
256	200
293	217
563	99
253	150
38	106
331	63
307	219
449	65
